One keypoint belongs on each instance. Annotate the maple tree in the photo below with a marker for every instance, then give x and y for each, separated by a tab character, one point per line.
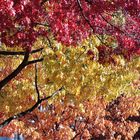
86	52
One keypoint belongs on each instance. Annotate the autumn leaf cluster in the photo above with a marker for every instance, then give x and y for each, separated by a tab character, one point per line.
70	69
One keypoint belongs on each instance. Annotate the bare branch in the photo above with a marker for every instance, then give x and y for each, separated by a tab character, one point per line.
24	63
42	24
81	9
117	28
43	2
137	135
16	71
19	53
134	118
52	95
36	85
21	114
34	61
81	53
87	20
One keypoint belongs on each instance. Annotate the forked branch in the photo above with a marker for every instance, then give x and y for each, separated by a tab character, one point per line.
16	71
21	66
39	101
21	114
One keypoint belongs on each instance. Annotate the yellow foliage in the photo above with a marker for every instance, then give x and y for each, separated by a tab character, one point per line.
72	68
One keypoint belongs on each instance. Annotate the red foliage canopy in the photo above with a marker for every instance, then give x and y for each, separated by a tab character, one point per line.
18	21
73	20
70	21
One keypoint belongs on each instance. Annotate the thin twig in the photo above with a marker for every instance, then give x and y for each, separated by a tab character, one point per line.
42	24
43	2
81	54
87	20
117	28
34	61
81	9
36	84
52	95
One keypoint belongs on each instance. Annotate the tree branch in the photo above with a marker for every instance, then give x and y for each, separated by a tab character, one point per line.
81	9
24	63
137	135
87	20
134	119
42	24
43	2
21	114
34	61
36	86
117	28
19	53
52	95
16	71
